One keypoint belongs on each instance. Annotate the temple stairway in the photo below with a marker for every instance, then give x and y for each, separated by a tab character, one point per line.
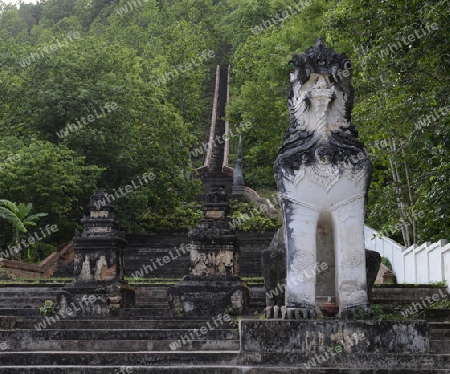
212	174
140	340
138	337
143	345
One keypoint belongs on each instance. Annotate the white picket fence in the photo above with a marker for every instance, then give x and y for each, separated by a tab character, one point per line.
418	264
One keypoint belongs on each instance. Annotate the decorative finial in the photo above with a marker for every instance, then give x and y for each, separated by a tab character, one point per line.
238	178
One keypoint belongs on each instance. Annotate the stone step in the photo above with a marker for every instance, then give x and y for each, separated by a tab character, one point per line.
256	306
258	303
50	358
162	311
158	294
133	313
30	287
154	306
437	315
203	369
151	291
34	304
257	293
440	333
26	300
120	369
401	367
374	360
162	302
32	311
148	298
440	346
20	312
21	288
124	334
440	338
26	297
158	323
142	298
156	297
162	297
8	295
122	345
408	295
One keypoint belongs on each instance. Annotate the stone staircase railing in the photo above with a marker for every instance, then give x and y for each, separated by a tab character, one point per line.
418	264
43	270
212	130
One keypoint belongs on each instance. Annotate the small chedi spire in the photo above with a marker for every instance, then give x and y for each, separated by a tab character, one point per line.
98	259
213	284
238	177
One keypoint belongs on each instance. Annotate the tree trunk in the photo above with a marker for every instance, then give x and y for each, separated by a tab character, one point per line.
398	190
412	217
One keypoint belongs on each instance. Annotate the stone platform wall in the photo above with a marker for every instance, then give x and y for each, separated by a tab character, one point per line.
296	342
144	250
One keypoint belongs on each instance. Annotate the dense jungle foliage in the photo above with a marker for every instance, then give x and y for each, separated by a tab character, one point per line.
95	93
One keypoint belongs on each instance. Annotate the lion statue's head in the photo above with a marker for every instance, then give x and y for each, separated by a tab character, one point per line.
320	101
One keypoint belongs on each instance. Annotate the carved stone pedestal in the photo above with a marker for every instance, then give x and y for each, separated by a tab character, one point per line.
335	346
209	295
98	262
273	263
213	286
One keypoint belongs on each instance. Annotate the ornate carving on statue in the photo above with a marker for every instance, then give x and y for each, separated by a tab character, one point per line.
322	173
302	260
320	133
353	258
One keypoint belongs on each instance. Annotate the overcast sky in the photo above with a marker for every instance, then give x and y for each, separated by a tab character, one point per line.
14	1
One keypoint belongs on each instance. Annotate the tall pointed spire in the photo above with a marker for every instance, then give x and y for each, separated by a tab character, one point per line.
238	178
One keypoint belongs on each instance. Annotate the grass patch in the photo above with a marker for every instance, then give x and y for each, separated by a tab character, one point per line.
131	280
21	280
253	280
138	281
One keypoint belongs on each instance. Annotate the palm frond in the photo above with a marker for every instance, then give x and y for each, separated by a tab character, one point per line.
28	208
11	217
10	205
35	217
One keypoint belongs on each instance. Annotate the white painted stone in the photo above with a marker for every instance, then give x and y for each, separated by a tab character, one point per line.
322	174
85	273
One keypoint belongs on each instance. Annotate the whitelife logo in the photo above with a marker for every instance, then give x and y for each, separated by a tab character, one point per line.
128	189
161	262
184	339
72	127
49	49
32	239
84	304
